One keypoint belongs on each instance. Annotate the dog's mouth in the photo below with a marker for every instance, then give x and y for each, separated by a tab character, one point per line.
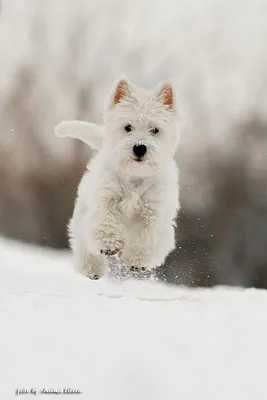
139	159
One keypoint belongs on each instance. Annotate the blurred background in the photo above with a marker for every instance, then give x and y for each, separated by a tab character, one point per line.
58	60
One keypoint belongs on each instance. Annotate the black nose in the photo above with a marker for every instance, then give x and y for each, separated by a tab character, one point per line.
139	150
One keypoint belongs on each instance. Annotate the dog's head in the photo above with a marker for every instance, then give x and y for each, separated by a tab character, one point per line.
141	128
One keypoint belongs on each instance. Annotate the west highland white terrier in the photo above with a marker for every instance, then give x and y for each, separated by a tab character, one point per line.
128	198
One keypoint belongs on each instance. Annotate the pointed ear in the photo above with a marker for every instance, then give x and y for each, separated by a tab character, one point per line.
121	89
166	95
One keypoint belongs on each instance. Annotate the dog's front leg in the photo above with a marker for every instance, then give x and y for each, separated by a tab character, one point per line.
99	231
110	233
149	241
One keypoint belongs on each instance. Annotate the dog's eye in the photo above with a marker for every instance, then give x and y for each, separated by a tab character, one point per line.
128	128
154	131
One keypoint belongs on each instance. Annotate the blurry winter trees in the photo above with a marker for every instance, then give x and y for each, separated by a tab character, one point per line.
58	61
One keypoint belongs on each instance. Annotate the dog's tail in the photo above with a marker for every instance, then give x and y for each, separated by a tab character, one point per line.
91	134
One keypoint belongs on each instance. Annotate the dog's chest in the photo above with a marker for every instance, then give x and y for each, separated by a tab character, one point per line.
132	200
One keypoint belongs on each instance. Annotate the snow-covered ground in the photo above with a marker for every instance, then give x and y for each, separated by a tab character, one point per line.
125	339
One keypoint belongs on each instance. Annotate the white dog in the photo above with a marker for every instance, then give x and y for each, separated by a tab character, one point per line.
128	197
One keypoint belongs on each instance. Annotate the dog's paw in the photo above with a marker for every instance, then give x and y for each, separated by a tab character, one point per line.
93	273
137	269
137	263
109	252
92	266
109	244
94	277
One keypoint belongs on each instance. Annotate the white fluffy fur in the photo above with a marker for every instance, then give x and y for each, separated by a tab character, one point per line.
125	206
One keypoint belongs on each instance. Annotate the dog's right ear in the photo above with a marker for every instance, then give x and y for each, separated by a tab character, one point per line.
120	90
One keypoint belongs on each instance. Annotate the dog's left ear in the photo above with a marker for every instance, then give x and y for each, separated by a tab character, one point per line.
166	95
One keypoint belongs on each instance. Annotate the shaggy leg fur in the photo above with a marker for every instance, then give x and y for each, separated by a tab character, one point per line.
110	234
147	244
92	237
86	259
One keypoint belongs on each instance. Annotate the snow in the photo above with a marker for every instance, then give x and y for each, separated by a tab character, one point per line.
125	339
